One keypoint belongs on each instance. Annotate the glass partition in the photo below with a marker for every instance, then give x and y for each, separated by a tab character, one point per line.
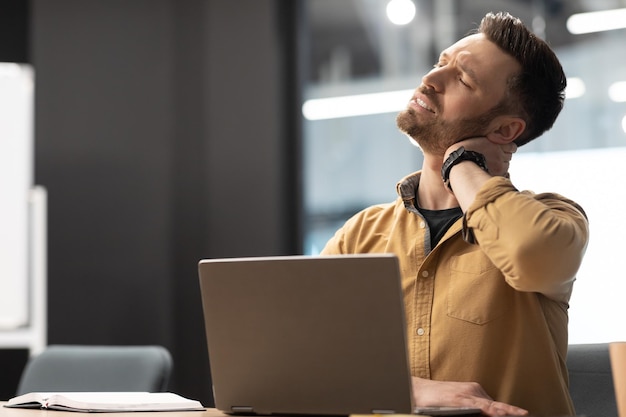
361	71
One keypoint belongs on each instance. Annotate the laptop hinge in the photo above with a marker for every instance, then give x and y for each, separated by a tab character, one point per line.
242	409
383	411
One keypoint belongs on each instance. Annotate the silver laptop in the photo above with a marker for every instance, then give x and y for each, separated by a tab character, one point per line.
308	335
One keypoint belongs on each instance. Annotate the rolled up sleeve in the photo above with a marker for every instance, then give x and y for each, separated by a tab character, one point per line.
536	240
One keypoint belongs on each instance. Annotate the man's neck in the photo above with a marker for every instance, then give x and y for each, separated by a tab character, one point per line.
432	193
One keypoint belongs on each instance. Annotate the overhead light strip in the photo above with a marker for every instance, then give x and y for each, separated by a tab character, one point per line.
600	21
385	102
575	88
356	105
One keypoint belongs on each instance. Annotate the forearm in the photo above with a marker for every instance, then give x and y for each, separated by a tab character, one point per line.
466	179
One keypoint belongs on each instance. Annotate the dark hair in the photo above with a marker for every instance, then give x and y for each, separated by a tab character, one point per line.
537	92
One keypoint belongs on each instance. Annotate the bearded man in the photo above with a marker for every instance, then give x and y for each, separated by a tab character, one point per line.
487	270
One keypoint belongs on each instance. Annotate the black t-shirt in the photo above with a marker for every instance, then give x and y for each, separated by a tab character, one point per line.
439	221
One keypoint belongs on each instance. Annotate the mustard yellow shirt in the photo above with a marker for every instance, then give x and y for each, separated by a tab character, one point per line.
489	303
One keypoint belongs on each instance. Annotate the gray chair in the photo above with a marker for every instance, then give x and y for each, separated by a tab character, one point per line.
97	368
591	380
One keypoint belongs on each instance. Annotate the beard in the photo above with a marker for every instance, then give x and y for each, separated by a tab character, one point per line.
435	136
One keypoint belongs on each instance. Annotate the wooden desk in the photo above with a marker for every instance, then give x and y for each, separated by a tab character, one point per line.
34	412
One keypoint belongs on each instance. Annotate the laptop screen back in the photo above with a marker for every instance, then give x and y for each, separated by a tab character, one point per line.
306	335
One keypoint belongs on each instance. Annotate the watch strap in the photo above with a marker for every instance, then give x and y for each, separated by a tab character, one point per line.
458	155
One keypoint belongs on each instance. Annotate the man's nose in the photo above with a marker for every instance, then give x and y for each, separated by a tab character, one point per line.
436	78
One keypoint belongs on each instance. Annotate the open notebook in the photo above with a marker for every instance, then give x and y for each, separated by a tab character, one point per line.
308	335
105	401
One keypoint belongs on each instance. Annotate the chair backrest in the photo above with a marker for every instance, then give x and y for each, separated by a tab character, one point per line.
591	380
97	368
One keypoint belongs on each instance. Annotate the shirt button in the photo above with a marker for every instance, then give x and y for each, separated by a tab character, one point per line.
420	332
422	224
425	274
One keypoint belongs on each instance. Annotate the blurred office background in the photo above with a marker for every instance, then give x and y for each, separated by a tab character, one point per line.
167	131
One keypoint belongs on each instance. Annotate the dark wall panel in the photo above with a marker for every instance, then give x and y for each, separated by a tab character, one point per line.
246	169
190	235
14	31
162	139
103	139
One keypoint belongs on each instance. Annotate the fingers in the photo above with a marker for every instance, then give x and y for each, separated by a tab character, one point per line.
480	399
509	148
490	407
427	393
496	408
507	151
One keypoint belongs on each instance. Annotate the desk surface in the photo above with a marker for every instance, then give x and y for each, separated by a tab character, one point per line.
34	412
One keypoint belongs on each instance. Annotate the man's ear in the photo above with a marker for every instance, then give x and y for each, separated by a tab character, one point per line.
506	129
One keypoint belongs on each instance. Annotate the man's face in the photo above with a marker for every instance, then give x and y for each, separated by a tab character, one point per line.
457	98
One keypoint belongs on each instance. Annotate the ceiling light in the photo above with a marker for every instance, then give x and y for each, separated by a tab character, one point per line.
400	12
596	21
617	92
575	88
356	105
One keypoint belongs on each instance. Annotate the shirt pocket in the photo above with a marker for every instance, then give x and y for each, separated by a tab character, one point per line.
477	292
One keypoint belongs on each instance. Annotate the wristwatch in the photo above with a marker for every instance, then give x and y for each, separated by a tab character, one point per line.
457	156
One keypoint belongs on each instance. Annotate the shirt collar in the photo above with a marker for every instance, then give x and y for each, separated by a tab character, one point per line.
407	190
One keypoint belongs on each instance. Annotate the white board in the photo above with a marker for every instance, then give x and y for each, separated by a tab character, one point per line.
16	179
